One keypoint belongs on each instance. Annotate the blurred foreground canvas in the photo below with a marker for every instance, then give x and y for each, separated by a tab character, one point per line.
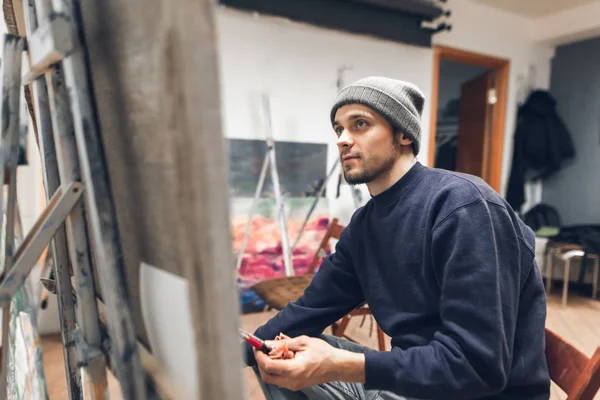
302	167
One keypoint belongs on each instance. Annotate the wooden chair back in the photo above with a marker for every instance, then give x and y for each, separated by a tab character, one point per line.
334	231
574	372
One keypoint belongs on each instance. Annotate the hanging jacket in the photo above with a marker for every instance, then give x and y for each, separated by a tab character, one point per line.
542	144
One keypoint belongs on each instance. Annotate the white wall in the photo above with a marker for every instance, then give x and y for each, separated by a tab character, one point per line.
297	64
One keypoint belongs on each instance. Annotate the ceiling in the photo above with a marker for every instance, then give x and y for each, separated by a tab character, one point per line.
534	8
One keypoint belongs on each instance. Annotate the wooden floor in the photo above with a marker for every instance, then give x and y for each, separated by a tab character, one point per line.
579	323
54	371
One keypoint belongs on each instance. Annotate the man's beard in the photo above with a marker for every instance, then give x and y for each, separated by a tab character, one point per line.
369	173
356	179
366	175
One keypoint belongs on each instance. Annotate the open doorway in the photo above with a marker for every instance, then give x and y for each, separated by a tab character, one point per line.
468	113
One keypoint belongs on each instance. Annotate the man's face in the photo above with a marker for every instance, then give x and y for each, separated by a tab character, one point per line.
366	141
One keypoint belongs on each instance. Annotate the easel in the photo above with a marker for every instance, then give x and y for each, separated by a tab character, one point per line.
269	161
73	169
315	202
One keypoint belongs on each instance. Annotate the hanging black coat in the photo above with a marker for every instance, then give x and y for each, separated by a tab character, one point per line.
542	144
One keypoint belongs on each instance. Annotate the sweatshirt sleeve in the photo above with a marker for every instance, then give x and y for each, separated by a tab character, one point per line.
333	293
477	259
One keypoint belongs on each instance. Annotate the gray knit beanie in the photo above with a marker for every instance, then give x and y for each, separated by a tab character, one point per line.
400	102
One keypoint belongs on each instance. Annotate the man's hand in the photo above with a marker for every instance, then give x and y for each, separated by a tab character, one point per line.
315	362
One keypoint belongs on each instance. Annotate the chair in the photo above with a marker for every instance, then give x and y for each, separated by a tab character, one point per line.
570	369
278	292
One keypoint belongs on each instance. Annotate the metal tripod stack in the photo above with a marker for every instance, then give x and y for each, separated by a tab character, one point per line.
79	216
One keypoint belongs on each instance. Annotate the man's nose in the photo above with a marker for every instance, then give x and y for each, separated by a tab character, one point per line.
345	139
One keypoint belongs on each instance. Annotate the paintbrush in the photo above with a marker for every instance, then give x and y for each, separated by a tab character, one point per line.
255	342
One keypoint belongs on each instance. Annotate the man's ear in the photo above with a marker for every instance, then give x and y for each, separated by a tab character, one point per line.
405	140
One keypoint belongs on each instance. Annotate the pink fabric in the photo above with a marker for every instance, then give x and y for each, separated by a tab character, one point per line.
263	256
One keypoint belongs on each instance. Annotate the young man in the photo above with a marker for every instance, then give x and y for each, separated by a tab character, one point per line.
445	265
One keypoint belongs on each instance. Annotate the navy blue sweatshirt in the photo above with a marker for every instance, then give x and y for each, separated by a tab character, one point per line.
448	271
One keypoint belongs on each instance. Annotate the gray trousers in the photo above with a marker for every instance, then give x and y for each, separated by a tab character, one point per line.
331	390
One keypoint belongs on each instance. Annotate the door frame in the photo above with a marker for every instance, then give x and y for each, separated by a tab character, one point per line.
502	67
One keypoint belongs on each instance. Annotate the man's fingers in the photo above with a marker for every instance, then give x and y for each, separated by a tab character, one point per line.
265	363
297	344
277	367
285	382
265	375
280	381
261	358
273	374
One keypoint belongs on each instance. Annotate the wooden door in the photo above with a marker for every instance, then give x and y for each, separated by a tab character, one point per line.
474	125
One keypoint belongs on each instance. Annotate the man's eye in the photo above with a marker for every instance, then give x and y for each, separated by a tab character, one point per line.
361	123
339	131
